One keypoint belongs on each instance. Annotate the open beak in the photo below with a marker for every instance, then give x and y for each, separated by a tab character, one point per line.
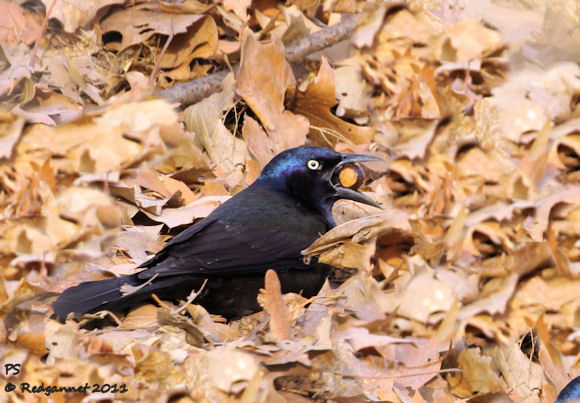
341	192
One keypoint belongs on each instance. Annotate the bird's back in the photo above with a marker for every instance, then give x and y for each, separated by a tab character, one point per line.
254	231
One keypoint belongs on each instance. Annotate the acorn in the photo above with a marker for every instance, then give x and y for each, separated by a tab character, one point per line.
351	176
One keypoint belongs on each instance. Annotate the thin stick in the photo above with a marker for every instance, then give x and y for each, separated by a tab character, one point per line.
158	63
192	296
42	30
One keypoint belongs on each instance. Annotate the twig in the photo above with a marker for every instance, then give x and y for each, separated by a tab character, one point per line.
159	302
158	63
192	296
40	33
194	91
300	48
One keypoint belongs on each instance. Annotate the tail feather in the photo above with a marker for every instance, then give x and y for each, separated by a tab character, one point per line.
93	296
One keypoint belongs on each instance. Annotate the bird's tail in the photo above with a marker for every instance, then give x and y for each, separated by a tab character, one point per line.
115	294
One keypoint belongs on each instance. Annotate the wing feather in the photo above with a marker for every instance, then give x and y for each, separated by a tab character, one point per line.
224	249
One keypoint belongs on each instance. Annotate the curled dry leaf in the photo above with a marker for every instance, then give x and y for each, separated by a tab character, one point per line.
199	41
360	230
425	299
18	24
477	375
539	227
11	128
368	28
496	295
88	151
262	81
316	102
224	149
76	13
479	249
226	369
350	90
414	138
275	306
469	39
511	360
136	26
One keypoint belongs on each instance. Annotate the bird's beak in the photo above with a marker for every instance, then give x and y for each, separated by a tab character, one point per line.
341	192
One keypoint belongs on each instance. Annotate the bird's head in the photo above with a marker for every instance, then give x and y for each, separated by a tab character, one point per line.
312	175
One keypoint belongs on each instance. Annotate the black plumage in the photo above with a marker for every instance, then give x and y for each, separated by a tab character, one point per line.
571	392
265	226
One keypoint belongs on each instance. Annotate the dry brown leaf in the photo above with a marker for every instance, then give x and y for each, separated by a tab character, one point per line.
174	217
539	226
420	98
139	242
494	299
414	138
351	255
142	317
275	306
136	26
360	230
226	369
18	71
262	81
367	29
239	7
131	133
199	41
359	338
523	376
224	149
477	375
187	162
76	13
18	23
350	91
469	39
549	357
11	129
316	103
425	298
258	141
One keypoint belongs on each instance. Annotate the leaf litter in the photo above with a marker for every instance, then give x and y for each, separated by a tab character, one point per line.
464	287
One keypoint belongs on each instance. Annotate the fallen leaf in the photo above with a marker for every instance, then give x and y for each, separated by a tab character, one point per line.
199	41
223	148
18	23
316	103
136	26
262	81
75	14
275	306
469	39
477	375
11	129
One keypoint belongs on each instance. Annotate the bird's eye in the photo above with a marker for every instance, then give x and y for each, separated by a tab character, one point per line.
313	165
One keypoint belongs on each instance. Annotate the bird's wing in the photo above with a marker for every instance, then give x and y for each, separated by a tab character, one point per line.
213	247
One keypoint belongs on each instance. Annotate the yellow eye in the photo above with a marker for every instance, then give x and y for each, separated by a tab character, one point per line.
313	165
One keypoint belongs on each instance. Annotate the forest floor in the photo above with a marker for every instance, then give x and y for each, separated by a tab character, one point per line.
123	122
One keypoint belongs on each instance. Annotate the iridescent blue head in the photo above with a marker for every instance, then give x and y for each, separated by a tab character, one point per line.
310	176
571	392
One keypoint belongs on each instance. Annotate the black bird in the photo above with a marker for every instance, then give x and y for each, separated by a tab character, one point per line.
265	226
571	392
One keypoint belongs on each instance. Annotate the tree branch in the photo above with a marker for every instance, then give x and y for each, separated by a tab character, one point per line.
194	91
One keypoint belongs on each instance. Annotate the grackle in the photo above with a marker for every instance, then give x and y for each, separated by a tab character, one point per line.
571	392
265	226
